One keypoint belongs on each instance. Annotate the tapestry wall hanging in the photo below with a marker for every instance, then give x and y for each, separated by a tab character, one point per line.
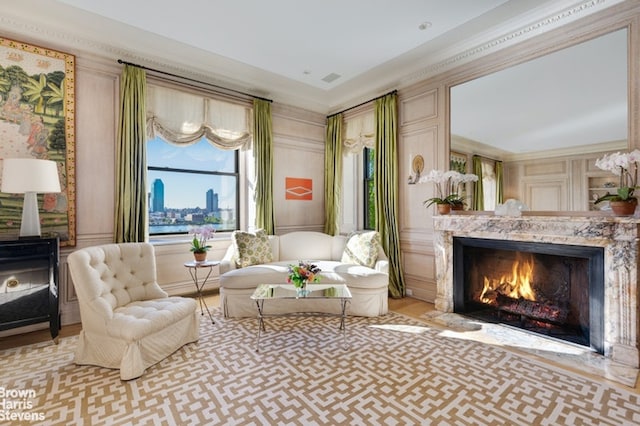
37	112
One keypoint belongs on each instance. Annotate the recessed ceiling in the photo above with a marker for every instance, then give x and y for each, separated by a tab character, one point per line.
304	41
319	55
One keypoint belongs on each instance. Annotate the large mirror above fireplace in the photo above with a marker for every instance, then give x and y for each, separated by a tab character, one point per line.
548	120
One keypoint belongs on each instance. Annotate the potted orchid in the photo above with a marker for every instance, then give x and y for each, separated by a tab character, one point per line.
626	167
447	185
199	245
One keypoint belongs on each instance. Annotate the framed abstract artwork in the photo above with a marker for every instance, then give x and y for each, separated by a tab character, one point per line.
298	188
37	120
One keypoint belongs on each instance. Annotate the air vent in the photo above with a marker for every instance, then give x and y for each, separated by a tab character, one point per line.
331	77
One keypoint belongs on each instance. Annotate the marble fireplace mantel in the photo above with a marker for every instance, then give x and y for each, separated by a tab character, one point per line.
619	236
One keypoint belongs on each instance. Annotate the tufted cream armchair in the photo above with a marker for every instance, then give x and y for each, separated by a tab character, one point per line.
128	321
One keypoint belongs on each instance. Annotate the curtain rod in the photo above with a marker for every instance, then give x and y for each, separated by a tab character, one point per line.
120	61
363	103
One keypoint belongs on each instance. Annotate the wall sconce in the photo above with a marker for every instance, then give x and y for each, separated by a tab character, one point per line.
29	176
417	166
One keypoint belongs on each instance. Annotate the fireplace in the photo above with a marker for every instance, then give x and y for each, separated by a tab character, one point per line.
552	289
617	237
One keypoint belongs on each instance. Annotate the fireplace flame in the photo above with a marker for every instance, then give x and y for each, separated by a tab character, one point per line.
517	284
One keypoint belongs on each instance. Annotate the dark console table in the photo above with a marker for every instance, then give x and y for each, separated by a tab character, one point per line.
29	283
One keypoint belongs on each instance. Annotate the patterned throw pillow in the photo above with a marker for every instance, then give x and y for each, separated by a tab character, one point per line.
252	248
362	249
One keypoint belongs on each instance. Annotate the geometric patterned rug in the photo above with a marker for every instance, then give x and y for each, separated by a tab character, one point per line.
396	370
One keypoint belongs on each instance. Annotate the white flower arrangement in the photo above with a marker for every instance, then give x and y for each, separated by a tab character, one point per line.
447	186
626	167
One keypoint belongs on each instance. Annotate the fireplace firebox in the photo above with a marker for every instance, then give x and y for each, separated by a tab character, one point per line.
552	289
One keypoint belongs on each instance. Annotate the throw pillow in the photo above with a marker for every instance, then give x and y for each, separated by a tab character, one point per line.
252	248
362	249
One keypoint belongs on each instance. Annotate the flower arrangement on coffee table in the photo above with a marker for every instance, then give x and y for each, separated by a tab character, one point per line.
302	274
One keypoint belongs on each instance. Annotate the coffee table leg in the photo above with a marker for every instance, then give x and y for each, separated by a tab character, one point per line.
343	326
260	305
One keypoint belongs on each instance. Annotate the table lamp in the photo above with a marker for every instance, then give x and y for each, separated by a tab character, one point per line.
29	176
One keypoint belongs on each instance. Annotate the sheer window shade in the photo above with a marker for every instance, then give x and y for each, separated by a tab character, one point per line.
184	118
360	132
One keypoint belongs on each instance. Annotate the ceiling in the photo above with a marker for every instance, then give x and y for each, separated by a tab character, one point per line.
305	41
323	56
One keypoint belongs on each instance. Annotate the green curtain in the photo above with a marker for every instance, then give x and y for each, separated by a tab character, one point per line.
478	191
386	181
131	167
263	149
499	183
333	174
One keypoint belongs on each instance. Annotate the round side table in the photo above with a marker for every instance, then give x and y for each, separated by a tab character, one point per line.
193	268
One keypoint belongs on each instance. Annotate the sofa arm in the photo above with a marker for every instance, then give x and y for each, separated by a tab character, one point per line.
228	262
382	265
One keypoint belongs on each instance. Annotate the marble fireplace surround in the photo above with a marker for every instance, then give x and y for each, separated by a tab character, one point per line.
619	236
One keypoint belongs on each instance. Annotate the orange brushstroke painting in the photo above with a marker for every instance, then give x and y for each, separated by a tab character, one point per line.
298	189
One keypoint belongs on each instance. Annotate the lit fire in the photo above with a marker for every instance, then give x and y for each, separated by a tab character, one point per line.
516	285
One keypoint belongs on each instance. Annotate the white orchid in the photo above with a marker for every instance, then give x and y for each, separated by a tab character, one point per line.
447	186
623	165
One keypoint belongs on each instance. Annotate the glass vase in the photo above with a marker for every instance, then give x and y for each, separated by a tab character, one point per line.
302	291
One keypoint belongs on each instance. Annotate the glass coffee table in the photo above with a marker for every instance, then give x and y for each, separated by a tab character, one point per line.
274	292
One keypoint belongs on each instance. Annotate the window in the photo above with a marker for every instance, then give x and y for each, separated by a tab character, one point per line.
358	200
191	185
369	189
193	158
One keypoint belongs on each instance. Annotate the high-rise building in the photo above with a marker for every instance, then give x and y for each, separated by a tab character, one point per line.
157	196
212	201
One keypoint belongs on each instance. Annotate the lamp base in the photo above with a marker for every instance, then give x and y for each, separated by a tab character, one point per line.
30	226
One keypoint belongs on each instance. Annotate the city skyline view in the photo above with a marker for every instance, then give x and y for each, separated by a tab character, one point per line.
178	194
188	189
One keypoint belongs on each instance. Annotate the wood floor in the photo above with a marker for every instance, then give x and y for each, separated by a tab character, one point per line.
406	306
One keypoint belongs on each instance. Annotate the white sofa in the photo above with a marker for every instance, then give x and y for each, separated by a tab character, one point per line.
128	321
368	285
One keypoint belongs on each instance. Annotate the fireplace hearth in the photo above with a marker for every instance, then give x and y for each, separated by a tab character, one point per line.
617	237
551	289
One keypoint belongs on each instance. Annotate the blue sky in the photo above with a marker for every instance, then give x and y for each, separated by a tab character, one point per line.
187	189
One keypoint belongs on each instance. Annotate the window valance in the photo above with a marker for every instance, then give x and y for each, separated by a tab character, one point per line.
184	118
360	132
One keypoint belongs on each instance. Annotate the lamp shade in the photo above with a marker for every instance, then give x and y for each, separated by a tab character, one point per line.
22	175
